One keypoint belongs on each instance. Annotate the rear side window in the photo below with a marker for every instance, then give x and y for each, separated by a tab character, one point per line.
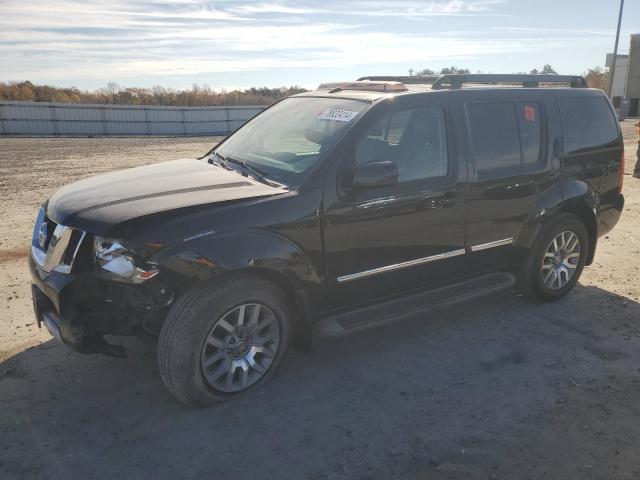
505	134
588	124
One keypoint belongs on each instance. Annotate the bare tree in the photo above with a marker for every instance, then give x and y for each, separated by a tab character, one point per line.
597	78
198	95
548	70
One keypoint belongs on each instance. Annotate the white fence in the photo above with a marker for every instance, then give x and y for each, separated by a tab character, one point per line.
84	120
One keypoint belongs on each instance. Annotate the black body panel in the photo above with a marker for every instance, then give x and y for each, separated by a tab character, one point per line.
99	203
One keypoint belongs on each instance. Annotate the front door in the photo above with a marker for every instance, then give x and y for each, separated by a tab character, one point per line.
387	240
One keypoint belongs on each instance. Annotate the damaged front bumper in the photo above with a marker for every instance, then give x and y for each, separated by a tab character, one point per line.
79	309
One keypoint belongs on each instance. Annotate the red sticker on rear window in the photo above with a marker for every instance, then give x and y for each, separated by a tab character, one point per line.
529	113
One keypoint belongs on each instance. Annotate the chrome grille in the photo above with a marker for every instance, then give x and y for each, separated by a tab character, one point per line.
54	246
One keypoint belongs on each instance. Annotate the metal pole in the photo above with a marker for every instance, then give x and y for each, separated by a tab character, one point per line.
615	51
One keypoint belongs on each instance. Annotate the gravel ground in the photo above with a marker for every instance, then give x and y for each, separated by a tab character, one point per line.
493	389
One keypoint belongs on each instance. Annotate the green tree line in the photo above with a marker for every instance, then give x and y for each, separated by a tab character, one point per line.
197	95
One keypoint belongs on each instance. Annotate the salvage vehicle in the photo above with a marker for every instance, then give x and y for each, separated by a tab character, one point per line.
329	212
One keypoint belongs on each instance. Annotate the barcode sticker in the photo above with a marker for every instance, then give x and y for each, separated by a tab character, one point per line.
337	115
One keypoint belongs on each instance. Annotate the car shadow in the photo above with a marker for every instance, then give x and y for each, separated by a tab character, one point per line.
405	398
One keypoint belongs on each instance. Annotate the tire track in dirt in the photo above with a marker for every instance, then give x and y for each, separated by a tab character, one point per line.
14	255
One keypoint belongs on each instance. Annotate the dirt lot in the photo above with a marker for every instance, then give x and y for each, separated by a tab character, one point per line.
494	389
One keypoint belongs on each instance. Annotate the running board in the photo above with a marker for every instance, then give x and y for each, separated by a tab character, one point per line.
374	315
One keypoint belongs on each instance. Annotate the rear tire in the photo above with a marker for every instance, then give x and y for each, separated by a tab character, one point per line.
224	338
556	260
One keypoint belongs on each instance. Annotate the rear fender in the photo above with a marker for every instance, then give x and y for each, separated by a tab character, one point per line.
570	196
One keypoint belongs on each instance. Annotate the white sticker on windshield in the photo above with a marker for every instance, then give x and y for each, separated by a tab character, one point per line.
337	115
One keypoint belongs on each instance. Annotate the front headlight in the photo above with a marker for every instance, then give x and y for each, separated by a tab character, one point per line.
116	260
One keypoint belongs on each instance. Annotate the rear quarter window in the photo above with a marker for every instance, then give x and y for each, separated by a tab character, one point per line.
588	124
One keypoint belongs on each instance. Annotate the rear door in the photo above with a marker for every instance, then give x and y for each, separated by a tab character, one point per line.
510	138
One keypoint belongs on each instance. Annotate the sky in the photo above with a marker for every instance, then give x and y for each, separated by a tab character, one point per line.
242	43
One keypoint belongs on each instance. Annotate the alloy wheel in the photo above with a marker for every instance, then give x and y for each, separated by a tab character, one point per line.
240	347
561	260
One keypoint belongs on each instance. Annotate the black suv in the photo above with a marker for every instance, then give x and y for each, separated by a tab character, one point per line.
329	212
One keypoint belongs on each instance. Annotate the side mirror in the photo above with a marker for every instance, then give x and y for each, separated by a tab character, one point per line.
375	174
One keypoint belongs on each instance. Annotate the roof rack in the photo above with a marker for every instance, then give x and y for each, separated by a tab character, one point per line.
419	79
371	86
456	81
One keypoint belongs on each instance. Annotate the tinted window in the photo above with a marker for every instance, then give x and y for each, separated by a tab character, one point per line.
397	124
415	140
529	124
494	135
588	124
505	134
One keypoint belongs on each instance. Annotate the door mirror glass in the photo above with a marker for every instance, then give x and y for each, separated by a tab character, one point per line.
375	174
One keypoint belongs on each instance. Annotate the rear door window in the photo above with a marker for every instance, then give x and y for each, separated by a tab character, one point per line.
588	124
494	135
505	135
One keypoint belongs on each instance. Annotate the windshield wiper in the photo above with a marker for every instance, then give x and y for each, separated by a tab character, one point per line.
221	161
256	172
260	175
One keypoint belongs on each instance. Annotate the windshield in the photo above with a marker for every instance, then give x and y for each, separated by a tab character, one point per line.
289	138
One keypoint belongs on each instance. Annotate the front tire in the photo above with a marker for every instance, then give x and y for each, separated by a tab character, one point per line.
556	260
224	338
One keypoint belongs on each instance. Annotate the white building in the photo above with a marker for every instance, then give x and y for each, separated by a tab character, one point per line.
619	76
625	91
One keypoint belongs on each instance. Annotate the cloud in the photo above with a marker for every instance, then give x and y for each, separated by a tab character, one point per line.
374	8
562	31
92	41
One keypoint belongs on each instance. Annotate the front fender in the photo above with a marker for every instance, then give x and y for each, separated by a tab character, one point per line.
207	256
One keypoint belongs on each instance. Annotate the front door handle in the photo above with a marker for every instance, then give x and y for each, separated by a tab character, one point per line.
447	199
376	203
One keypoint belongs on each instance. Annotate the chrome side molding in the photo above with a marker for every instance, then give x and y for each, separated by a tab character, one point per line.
497	243
420	261
398	266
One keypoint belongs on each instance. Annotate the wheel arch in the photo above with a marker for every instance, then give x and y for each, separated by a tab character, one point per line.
588	218
570	196
268	255
300	301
